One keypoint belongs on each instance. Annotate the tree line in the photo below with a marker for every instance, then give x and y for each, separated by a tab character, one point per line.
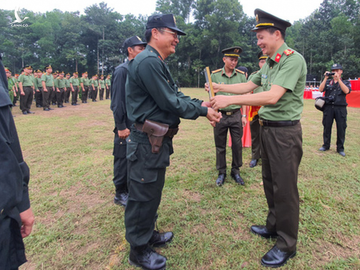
71	41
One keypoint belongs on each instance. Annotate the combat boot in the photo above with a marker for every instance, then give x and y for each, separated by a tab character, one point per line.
146	258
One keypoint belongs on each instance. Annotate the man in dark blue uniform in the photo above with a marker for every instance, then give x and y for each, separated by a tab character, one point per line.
132	47
155	105
335	90
16	217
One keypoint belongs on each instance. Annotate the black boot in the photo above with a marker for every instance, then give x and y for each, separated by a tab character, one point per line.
160	239
146	258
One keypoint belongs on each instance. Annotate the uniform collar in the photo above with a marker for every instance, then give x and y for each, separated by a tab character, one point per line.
278	54
151	49
223	72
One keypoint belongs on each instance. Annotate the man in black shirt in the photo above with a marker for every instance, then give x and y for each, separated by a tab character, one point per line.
336	90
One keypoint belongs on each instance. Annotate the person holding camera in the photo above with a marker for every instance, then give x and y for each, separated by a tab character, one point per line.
335	90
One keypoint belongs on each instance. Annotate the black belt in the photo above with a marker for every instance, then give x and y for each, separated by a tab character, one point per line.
229	112
268	123
170	133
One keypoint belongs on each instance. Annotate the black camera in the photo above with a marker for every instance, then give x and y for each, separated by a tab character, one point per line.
329	73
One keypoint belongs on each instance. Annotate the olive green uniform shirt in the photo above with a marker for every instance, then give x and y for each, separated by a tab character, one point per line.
286	68
26	80
102	83
11	83
48	79
67	83
258	89
85	81
74	81
219	76
108	82
60	83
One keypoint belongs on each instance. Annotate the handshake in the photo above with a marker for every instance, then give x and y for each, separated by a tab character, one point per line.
213	116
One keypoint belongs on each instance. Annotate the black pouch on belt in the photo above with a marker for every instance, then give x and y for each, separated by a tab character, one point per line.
155	132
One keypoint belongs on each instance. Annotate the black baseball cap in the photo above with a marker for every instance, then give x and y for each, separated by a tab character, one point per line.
266	20
163	20
336	66
132	41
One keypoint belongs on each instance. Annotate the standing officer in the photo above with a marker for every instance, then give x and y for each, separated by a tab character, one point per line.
48	87
16	217
60	85
11	85
336	90
74	84
154	103
283	80
26	85
232	118
254	119
84	82
94	87
68	88
38	90
53	93
101	87
132	46
108	86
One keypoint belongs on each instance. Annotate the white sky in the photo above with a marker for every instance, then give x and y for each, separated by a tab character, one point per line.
288	10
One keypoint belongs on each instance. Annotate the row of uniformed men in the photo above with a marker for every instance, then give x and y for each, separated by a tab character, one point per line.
55	88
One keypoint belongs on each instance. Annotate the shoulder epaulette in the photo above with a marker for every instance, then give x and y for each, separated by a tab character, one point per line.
254	72
288	52
216	71
240	71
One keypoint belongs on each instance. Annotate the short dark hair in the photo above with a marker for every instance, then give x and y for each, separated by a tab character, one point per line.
272	30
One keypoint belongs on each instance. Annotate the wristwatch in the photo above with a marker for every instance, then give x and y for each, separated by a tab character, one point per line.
244	115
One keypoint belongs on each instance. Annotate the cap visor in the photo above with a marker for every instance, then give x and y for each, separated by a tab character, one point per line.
179	32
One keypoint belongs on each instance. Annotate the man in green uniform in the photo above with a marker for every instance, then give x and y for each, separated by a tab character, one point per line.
47	80
283	80
74	84
84	82
254	119
26	85
94	87
53	93
11	85
108	86
60	84
68	88
232	118
154	104
38	88
101	87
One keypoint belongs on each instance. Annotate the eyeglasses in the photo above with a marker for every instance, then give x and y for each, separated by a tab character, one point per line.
175	35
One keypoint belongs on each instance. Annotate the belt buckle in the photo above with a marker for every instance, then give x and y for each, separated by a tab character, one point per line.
261	122
228	113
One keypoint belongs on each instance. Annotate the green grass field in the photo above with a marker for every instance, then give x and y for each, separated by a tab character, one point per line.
69	152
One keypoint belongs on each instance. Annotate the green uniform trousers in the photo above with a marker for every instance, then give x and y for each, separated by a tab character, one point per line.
146	178
281	152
